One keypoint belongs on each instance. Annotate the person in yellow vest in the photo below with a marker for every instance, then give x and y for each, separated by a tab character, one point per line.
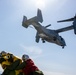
1	59
8	65
15	61
4	63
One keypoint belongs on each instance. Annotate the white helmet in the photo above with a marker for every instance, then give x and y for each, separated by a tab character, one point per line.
25	57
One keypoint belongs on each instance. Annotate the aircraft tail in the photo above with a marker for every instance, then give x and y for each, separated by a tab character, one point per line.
33	20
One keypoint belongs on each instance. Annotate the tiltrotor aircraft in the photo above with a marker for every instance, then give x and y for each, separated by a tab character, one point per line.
45	34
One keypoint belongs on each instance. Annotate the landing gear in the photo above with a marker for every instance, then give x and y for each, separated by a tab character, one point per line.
43	41
62	47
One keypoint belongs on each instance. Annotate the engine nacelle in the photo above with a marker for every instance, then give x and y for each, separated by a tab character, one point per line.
74	26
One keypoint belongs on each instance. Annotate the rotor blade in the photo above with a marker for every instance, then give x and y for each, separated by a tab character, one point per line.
71	19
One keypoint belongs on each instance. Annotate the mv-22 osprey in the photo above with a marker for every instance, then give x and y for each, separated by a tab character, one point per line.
45	34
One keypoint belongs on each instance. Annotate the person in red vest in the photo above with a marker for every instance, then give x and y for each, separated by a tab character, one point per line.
28	66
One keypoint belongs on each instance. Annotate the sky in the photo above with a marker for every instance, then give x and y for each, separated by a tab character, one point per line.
14	38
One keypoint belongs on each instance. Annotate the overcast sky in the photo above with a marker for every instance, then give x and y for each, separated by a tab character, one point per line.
14	38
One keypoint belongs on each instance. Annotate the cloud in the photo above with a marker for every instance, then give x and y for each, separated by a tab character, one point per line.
32	49
54	73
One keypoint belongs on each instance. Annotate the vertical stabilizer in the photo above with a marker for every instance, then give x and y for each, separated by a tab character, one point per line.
24	21
24	18
39	16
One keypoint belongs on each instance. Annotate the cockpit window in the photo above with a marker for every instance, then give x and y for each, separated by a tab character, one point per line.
61	38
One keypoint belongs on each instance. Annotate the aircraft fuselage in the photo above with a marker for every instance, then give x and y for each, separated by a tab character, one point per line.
49	35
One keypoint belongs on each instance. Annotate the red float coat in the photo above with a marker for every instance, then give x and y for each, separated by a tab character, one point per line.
30	67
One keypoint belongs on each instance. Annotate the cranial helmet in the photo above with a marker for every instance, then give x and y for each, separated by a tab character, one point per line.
25	57
3	53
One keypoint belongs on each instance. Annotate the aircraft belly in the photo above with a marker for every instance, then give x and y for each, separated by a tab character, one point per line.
43	35
47	38
52	39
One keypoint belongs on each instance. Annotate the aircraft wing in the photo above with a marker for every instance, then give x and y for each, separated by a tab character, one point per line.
64	29
69	27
